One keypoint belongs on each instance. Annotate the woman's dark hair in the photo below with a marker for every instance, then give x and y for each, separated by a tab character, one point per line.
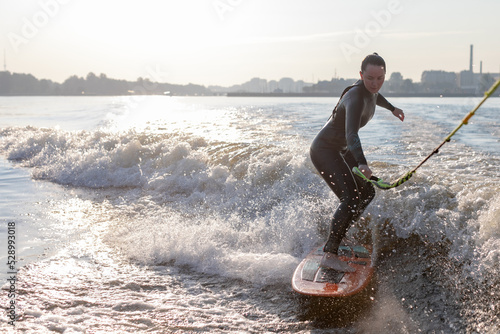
373	59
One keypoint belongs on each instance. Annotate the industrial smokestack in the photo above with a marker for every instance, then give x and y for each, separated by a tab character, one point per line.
471	52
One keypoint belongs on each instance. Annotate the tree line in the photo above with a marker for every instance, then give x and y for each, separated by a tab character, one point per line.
12	84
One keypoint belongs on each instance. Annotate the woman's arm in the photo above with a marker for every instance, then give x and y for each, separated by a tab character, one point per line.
382	102
353	109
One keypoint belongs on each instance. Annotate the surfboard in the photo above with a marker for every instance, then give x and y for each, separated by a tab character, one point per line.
312	280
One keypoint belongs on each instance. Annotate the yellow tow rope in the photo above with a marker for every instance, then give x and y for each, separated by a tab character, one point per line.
383	185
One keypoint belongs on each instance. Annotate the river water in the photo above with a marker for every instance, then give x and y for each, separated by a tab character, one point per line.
189	214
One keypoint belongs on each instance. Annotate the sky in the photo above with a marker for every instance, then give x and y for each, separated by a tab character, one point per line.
226	42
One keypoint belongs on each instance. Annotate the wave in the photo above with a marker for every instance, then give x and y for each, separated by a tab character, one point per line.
250	210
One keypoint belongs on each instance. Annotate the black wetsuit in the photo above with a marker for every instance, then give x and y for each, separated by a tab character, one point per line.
336	149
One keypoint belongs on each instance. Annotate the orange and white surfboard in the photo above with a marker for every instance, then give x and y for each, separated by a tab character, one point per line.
311	279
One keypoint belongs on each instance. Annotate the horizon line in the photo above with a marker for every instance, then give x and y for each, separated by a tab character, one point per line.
236	84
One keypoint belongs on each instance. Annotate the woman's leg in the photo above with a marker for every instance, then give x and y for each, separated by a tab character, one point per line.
365	190
337	174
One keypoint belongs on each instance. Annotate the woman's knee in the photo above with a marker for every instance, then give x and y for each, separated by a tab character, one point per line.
350	204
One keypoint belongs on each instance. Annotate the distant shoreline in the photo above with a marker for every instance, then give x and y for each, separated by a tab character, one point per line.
244	94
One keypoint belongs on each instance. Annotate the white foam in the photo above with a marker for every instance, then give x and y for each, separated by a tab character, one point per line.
232	191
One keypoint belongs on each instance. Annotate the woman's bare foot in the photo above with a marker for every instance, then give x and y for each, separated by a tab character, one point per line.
332	261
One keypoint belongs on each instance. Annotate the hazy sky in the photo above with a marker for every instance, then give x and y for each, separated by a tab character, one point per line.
225	42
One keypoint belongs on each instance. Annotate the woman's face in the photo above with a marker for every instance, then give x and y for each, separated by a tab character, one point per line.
373	77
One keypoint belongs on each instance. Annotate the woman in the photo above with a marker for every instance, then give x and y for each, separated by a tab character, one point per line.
337	149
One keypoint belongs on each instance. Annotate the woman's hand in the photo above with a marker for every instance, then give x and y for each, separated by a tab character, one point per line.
399	114
365	170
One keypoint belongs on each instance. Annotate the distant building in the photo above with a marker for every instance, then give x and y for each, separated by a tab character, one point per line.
441	82
448	78
262	86
256	85
467	82
273	86
287	85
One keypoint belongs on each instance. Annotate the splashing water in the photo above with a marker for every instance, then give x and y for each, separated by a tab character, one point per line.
170	199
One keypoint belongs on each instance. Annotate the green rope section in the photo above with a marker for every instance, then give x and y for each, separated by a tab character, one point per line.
384	185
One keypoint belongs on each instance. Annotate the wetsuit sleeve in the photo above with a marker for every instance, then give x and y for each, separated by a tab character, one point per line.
353	110
382	102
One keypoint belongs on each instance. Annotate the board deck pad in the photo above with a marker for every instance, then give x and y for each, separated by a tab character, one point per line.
311	279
